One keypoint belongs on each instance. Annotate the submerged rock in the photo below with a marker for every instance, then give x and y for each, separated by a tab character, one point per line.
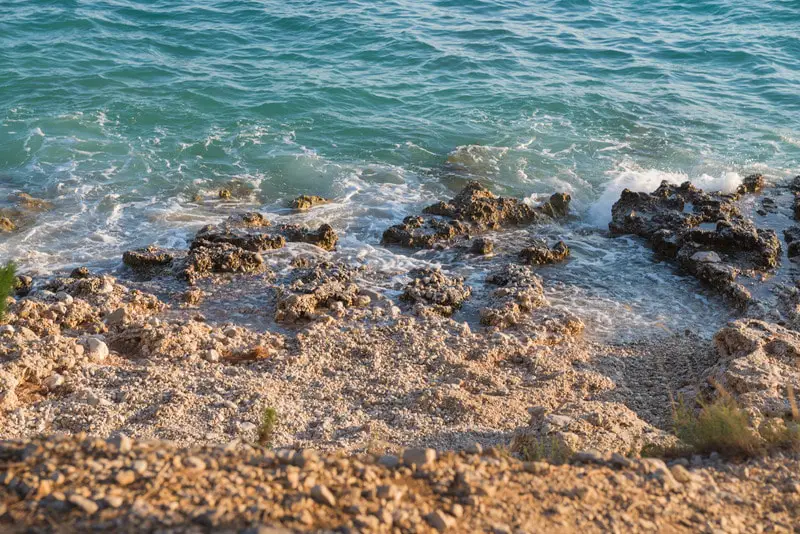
540	254
221	258
436	292
482	246
792	237
474	209
211	236
305	202
684	223
26	201
248	219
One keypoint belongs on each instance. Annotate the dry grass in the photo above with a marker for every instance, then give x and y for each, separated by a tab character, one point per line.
533	449
7	282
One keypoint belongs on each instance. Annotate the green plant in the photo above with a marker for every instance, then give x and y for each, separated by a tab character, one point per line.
266	429
535	449
720	426
8	280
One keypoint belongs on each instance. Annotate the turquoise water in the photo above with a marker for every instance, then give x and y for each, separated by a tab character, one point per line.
120	112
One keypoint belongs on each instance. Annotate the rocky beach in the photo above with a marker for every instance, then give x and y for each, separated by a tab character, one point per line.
258	380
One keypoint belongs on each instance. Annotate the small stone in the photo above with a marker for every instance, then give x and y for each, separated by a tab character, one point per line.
231	332
681	474
125	478
211	356
122	443
618	460
54	381
323	495
96	349
114	501
224	194
475	448
64	297
419	457
588	457
440	521
706	257
140	466
499	528
117	317
7	330
87	505
389	460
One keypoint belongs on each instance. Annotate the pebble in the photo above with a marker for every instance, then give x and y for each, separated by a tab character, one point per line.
211	356
323	495
440	520
54	381
125	478
122	443
87	505
97	350
419	457
389	460
64	297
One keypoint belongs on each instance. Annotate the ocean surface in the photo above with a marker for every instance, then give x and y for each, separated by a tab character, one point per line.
129	116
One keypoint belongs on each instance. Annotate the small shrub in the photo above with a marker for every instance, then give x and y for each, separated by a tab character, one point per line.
7	282
720	426
266	430
534	449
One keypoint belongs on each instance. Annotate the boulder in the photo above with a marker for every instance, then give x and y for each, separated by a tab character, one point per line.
306	202
540	254
436	292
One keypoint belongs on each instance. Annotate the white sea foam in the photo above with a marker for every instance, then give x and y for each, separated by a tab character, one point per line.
647	180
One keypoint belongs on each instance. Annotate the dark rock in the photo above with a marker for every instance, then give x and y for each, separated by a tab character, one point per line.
705	232
794	185
482	246
210	236
23	285
305	202
324	237
474	209
225	194
80	272
147	258
792	237
440	293
796	206
540	254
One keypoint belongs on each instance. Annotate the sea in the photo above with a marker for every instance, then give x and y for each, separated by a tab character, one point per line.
130	115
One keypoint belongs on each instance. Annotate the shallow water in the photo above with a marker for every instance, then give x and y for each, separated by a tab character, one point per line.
121	111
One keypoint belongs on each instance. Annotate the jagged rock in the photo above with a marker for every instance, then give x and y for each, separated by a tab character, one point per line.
751	184
305	202
757	364
321	286
436	292
794	185
796	206
482	246
224	194
23	285
540	254
148	258
221	258
80	272
324	237
605	427
249	219
211	236
792	237
7	225
26	201
682	221
474	209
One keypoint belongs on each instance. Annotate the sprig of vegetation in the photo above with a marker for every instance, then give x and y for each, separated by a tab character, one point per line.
8	280
266	430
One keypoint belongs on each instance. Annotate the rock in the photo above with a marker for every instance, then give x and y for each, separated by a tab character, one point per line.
323	495
440	293
114	501
87	505
122	443
757	362
305	202
7	330
125	477
80	273
221	258
96	349
681	474
389	460
54	381
696	228
117	317
440	521
23	285
320	286
474	209
603	427
211	356
419	457
792	237
751	184
225	194
540	254
482	246
324	237
64	297
26	201
7	225
193	296
147	259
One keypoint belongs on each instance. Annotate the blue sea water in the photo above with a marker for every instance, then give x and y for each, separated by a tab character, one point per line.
129	115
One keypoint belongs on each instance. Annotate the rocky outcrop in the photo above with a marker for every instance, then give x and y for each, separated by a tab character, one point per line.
704	232
221	258
540	254
7	225
758	364
434	292
474	209
603	427
147	259
306	202
324	237
326	285
482	246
